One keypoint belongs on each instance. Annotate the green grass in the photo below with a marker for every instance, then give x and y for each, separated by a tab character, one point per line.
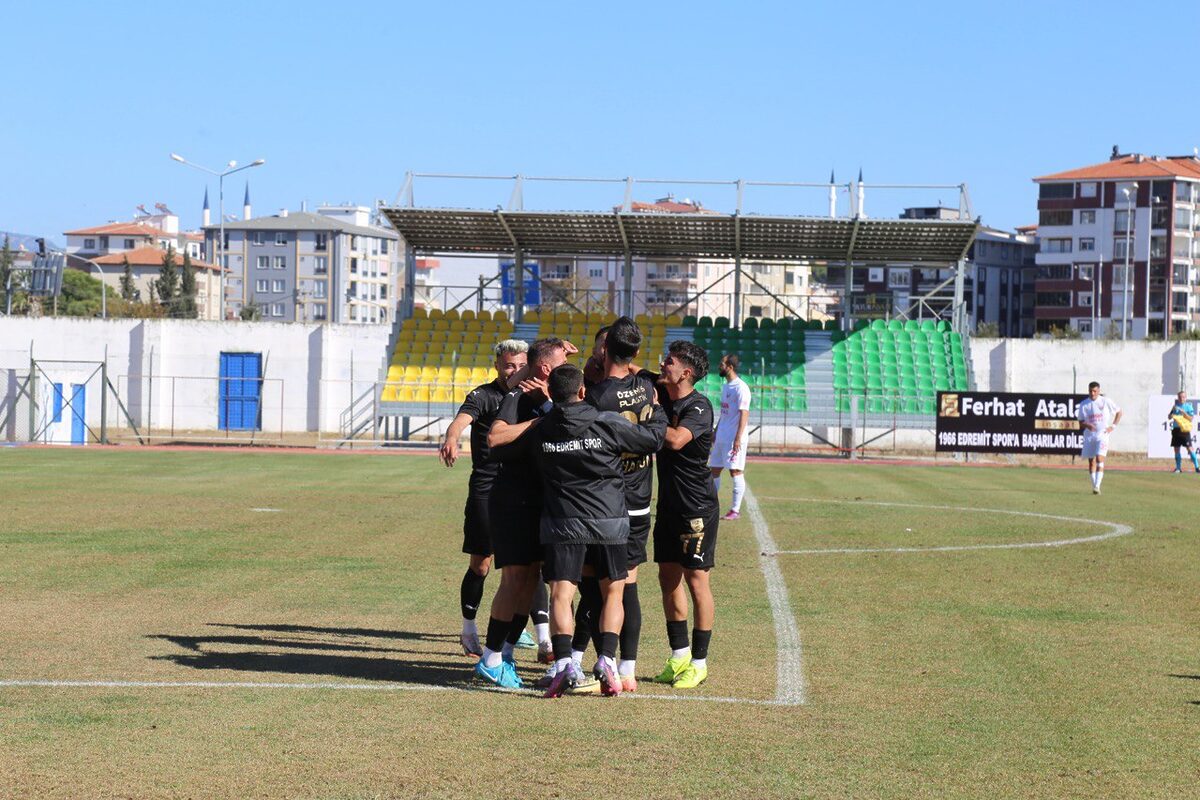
1051	672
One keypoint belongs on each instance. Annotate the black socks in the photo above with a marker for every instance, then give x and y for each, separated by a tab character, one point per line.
631	630
470	594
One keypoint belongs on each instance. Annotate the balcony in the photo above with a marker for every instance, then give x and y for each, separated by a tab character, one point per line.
670	276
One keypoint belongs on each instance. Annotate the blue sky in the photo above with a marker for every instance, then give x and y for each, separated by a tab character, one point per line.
342	99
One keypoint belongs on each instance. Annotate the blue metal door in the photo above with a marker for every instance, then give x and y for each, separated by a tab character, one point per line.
78	408
241	385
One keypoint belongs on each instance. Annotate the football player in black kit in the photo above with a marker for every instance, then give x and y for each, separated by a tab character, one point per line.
685	525
478	411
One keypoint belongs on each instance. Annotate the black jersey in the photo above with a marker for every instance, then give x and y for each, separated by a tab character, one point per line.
684	480
633	398
482	405
518	480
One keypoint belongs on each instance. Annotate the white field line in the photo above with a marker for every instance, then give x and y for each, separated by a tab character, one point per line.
789	681
1115	529
267	510
359	687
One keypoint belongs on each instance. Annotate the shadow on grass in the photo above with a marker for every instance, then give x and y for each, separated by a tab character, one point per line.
1188	677
376	633
335	659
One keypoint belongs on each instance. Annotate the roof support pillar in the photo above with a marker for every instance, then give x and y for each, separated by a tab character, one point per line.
627	292
518	286
959	319
410	282
735	318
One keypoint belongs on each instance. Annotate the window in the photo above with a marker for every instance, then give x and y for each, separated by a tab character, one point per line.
1087	189
1087	217
596	272
899	279
353	266
276	309
262	262
1058	245
320	264
227	235
1183	218
1056	191
1181	248
1119	248
321	242
374	247
1054	272
1085	271
1054	299
1158	247
277	287
280	237
383	246
756	311
1183	191
129	245
1087	244
383	292
383	315
353	291
1159	216
261	285
256	237
1061	217
875	274
318	311
319	290
1084	299
1121	221
89	244
353	242
279	262
354	313
1121	187
1084	325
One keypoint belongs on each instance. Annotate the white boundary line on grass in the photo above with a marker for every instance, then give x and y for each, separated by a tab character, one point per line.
1115	529
332	686
789	664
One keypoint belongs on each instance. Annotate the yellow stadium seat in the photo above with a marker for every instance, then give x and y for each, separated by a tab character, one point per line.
420	313
533	317
674	321
436	313
412	372
479	374
473	327
440	395
406	394
457	325
424	325
451	315
467	315
421	394
500	315
483	316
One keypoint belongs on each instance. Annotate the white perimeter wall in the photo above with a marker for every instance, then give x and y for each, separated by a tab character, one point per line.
162	367
309	370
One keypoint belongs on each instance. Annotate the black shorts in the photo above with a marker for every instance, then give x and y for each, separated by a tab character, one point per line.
515	532
1180	438
687	540
639	534
477	532
564	562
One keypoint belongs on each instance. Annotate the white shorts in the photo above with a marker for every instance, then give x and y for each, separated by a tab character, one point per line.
720	458
1094	446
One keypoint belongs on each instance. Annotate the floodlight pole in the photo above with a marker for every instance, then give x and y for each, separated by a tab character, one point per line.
220	248
1126	310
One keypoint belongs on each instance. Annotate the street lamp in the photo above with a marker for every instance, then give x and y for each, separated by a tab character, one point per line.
230	168
1126	311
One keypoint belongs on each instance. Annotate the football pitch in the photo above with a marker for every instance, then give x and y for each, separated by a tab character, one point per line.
256	624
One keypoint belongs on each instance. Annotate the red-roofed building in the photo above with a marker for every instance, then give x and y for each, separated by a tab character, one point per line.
145	263
1093	221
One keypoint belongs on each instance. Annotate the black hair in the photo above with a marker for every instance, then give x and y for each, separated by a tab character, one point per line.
623	341
732	361
541	349
602	333
1093	385
565	381
693	355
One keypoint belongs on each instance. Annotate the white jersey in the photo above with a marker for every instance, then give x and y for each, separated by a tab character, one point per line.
735	398
1098	413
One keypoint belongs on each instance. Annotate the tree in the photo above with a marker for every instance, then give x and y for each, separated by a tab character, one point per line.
167	285
186	306
129	291
81	296
12	283
251	312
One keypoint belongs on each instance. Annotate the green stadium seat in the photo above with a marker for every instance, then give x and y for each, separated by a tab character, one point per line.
704	322
689	321
721	322
750	324
785	323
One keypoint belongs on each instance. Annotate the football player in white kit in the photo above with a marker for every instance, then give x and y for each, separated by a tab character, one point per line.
730	439
1097	415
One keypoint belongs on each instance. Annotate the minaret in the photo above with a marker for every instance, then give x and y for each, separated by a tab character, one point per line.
246	203
861	194
832	196
205	213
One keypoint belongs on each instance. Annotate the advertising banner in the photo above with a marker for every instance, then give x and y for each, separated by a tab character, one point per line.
1008	422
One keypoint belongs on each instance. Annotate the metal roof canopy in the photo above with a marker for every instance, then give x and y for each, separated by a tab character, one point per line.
648	235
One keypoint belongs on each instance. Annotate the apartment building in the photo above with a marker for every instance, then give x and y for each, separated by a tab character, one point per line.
334	265
1119	247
